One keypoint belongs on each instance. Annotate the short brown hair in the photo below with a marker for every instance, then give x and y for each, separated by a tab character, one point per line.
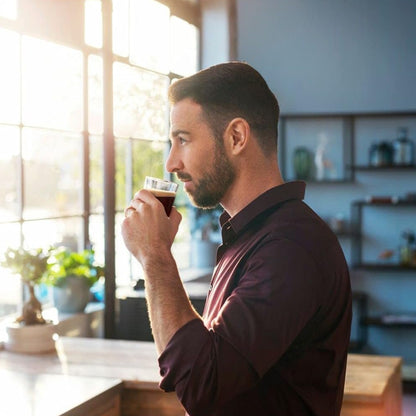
229	90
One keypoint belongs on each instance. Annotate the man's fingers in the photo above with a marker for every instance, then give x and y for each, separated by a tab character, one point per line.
128	211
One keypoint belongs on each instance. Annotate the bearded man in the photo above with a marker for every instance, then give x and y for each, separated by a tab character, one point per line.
273	338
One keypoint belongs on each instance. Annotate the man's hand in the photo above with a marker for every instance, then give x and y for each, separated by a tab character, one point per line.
147	231
148	234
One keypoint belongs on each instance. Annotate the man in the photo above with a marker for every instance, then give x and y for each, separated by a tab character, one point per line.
274	335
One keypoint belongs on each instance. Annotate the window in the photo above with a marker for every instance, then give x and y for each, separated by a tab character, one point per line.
52	120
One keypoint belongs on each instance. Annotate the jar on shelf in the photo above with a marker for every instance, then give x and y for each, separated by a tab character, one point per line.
381	154
302	163
403	149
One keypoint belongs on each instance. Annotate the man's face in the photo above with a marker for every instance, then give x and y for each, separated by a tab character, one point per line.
197	157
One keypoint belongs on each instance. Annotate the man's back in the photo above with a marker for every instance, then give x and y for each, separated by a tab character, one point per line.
278	314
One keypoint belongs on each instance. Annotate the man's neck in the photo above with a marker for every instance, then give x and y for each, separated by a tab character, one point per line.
246	188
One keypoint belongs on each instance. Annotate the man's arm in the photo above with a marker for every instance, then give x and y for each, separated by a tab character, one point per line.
148	234
168	304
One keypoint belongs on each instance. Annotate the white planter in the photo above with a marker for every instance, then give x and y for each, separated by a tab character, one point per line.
31	339
73	296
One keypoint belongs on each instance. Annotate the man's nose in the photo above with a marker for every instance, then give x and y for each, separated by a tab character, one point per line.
173	162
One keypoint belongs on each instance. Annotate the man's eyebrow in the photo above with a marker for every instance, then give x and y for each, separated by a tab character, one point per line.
176	133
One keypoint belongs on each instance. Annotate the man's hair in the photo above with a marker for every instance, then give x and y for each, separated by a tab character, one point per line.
230	90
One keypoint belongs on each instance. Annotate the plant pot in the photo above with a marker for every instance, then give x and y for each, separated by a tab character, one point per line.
203	254
30	339
72	296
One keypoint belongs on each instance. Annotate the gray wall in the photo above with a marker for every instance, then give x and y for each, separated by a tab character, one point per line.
347	56
332	55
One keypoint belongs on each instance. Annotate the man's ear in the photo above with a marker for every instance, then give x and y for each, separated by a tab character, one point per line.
237	135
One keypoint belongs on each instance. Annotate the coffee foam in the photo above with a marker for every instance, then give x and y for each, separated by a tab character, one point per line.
162	192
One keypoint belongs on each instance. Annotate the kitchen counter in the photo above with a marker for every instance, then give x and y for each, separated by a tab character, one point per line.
373	383
28	394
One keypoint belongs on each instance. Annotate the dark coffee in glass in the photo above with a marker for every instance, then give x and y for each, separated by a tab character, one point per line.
165	197
163	190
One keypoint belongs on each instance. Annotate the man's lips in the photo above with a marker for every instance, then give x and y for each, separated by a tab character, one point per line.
184	178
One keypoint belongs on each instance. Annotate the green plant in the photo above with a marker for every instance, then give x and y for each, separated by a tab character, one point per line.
64	263
31	266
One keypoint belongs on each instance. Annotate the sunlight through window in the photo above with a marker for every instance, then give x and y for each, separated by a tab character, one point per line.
8	9
93	23
9	77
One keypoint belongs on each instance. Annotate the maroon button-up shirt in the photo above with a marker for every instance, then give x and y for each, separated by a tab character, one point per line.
276	324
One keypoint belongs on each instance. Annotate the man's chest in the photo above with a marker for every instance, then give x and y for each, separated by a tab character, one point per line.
232	265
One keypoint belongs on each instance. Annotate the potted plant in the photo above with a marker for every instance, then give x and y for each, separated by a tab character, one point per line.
205	228
72	274
30	332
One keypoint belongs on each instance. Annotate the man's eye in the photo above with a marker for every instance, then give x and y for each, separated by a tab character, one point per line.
181	140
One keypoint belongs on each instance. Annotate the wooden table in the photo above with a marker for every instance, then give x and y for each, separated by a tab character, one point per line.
373	383
373	386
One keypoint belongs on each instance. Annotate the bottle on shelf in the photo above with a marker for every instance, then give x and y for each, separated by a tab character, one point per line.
403	149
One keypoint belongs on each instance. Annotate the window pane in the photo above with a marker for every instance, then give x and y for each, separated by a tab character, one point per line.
128	269
52	85
134	160
9	173
52	173
140	103
184	47
96	174
96	231
9	77
64	231
147	161
121	27
93	23
149	34
11	288
8	9
95	94
181	245
123	174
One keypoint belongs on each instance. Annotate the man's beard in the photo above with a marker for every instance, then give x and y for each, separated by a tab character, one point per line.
216	181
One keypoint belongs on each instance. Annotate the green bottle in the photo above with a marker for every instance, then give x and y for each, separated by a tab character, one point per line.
302	163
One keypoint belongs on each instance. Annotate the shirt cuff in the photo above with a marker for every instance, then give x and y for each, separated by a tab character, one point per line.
182	351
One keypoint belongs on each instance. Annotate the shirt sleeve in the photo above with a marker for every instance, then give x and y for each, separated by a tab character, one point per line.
201	368
275	297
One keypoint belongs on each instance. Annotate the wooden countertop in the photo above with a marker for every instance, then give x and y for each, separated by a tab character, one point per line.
134	362
368	378
367	375
23	394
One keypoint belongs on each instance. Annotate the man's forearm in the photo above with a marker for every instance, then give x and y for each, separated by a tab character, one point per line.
168	303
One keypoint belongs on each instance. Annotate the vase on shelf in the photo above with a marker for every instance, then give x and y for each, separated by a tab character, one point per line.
302	163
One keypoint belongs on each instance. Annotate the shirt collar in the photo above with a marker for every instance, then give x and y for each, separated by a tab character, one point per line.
272	197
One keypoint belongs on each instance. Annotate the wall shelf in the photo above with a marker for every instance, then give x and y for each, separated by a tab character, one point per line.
381	168
341	132
378	267
392	321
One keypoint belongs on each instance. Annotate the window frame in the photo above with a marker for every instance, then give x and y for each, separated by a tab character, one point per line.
63	23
